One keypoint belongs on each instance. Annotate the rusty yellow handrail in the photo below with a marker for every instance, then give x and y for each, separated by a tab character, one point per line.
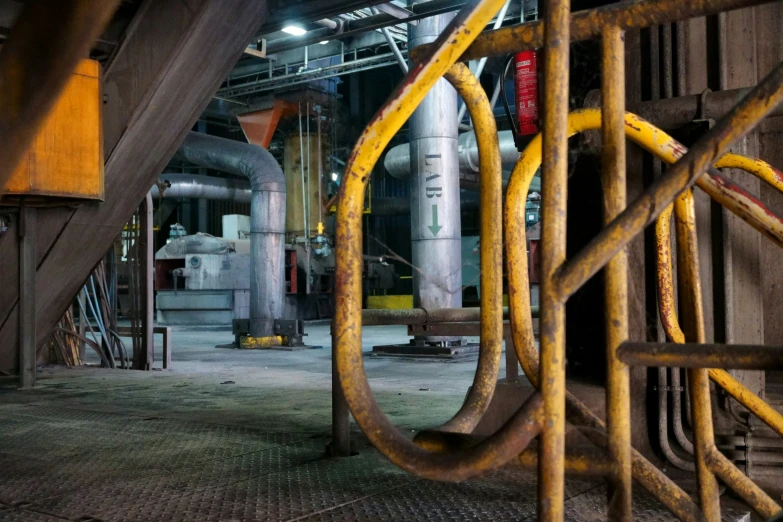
518	432
491	250
667	149
545	412
722	378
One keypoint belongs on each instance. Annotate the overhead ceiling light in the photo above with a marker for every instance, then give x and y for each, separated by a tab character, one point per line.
296	30
323	42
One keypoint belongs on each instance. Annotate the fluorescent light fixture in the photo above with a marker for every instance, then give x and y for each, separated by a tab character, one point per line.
296	30
323	42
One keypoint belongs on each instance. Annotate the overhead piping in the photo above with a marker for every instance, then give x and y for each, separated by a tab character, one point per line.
397	160
193	186
267	218
393	46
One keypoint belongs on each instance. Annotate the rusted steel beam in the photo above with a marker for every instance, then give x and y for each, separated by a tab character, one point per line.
618	384
591	23
45	44
554	177
491	250
692	355
587	463
742	485
741	120
703	441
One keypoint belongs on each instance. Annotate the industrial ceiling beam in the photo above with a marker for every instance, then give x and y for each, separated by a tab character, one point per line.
157	88
32	72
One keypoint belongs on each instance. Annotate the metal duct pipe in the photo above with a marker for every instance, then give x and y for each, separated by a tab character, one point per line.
267	218
435	196
204	187
402	206
397	161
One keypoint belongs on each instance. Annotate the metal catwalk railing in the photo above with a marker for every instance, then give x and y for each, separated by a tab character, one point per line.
450	455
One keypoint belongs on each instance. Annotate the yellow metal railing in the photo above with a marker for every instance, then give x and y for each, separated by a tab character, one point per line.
448	454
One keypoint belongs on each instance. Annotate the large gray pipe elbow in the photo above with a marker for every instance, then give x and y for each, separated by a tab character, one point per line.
267	218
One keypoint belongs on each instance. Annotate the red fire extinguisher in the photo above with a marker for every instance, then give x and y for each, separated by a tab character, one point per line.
526	91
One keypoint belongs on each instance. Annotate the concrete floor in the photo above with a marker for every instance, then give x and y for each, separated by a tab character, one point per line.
240	435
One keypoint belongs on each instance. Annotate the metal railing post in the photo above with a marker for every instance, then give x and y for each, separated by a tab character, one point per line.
618	392
557	25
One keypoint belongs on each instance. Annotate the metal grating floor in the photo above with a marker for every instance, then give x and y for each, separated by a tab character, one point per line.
61	462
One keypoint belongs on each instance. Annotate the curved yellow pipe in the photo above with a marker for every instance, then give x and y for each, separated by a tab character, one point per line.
668	150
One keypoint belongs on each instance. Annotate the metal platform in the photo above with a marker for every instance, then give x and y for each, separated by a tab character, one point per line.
81	462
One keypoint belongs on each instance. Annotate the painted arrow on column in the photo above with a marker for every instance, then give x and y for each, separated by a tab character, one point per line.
435	228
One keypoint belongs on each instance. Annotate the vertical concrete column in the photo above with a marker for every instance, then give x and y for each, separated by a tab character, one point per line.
435	216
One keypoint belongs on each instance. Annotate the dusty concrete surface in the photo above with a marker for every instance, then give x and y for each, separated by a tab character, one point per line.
240	435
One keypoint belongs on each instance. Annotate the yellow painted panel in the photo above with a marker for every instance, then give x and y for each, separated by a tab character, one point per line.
389	302
66	157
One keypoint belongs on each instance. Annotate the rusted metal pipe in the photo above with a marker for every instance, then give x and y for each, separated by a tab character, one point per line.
699	355
690	298
741	484
517	433
741	120
554	183
586	463
618	385
591	23
491	194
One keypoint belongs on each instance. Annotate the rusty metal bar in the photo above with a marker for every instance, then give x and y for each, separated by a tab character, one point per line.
744	205
587	463
515	434
703	433
686	227
340	445
704	442
27	266
766	413
491	250
700	355
423	316
648	476
679	111
32	74
554	176
741	120
591	23
741	484
618	385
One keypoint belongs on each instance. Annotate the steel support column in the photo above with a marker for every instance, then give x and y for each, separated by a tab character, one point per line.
341	420
618	392
143	359
27	338
435	215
